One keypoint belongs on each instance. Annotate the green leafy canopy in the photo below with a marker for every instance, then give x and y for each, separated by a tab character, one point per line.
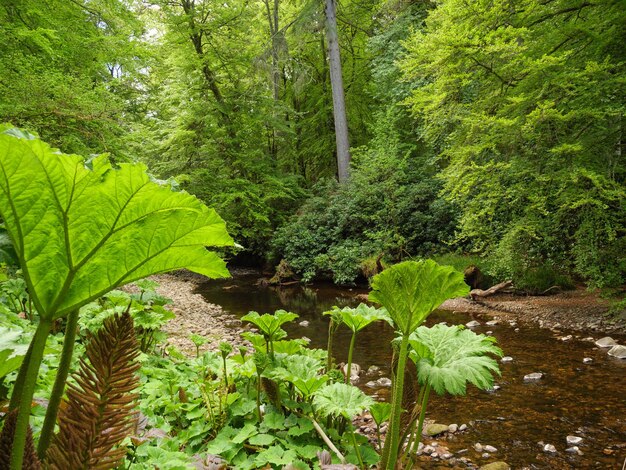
411	290
447	357
82	228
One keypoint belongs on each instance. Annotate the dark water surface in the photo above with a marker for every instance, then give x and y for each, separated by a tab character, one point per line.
587	400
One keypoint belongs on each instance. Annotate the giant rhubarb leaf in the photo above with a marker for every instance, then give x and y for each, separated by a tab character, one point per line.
83	228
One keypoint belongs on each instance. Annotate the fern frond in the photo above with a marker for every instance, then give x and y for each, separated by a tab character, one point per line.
99	408
31	462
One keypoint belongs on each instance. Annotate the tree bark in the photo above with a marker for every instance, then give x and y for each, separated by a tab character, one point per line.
339	104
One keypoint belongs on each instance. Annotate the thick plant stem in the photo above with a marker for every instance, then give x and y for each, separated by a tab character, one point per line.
392	444
59	384
28	390
329	348
19	381
420	423
356	448
349	369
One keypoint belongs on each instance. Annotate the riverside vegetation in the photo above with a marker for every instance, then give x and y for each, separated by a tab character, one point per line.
280	403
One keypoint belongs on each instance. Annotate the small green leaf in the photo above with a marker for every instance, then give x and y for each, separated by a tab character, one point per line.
380	411
261	440
341	400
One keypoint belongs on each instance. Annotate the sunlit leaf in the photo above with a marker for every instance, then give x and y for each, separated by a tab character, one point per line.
448	357
411	290
341	399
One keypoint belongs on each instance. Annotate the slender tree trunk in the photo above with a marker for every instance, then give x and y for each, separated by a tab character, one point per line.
339	102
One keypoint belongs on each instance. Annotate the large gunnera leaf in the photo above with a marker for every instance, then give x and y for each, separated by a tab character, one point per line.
410	291
447	357
82	228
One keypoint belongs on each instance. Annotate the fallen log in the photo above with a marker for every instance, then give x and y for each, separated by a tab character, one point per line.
476	293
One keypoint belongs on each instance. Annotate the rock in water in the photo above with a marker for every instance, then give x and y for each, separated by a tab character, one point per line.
532	377
549	448
506	359
587	360
606	342
472	324
573	440
496	466
618	351
453	428
434	429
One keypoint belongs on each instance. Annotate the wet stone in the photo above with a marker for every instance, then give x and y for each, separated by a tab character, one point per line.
492	323
496	466
372	384
491	449
472	324
478	447
549	448
532	377
606	342
371	370
573	440
384	382
304	323
566	338
506	359
462	427
587	360
453	428
486	455
618	351
435	429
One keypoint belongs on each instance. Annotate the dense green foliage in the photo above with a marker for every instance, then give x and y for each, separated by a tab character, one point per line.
490	129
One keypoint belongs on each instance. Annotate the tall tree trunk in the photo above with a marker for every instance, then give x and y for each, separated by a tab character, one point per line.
339	102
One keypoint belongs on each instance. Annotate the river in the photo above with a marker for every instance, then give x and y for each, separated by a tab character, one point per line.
573	398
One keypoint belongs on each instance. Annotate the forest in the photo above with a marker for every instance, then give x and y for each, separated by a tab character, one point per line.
353	142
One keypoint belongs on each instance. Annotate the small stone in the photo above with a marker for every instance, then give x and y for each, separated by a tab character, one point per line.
372	384
532	377
446	455
573	440
492	323
557	325
589	339
384	382
435	429
453	428
491	449
516	330
472	324
355	370
478	447
496	466
486	455
606	342
618	351
566	338
371	370
506	359
428	450
420	447
513	323
462	427
434	455
574	450
587	360
489	332
304	323
549	448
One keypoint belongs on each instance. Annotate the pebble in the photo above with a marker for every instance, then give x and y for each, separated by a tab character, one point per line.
372	384
606	342
549	448
489	332
490	449
428	449
384	382
371	370
513	323
573	440
589	339
618	351
486	455
506	359
574	450
453	428
566	338
472	324
304	323
492	323
587	360
462	427
446	456
478	447
516	330
533	376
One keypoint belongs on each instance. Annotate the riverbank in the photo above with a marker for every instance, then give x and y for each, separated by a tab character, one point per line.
577	310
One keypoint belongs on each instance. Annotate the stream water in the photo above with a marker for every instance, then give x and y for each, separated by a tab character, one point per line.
573	398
